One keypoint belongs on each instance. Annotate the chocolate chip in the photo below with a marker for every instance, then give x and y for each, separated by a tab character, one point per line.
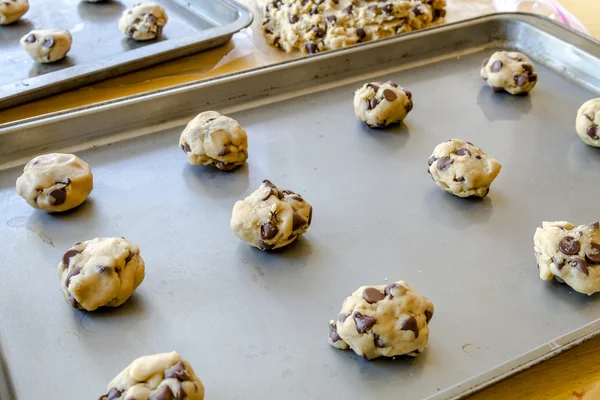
478	157
432	159
297	221
268	231
428	315
319	32
186	148
378	341
224	151
373	86
463	152
293	19
372	103
527	68
151	20
410	324
497	89
311	48
310	216
592	131
438	13
333	334
444	162
181	392
496	66
372	295
131	32
265	246
348	10
331	18
532	77
363	322
579	264
73	301
268	194
360	32
314	11
113	394
164	393
129	257
522	79
67	257
276	42
269	183
297	197
103	269
389	95
388	9
560	263
305	2
178	372
72	273
417	11
225	166
459	179
569	246
48	43
342	317
594	225
588	116
408	93
336	1
592	255
409	106
388	289
30	39
291	237
59	196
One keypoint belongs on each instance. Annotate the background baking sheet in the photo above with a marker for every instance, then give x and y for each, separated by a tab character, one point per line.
253	324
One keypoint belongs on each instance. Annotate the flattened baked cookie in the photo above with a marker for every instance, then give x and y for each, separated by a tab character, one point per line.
588	120
143	21
380	104
48	45
509	71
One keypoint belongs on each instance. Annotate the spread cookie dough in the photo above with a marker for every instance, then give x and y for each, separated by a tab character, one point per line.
143	21
271	217
588	120
317	25
462	169
164	376
509	71
55	182
101	272
47	46
212	138
383	321
570	254
380	104
12	10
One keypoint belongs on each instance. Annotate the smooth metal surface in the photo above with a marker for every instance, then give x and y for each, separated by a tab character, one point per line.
254	325
99	50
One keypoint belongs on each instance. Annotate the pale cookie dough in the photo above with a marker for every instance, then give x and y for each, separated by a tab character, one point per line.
462	169
587	122
212	138
317	25
271	217
55	182
164	376
509	71
380	104
48	45
12	10
569	254
101	272
383	321
143	21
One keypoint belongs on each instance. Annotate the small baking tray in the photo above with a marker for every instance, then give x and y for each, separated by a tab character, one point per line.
253	324
99	50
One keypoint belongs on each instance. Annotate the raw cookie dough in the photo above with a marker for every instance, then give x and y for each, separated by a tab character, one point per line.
380	104
12	10
317	25
588	120
55	182
164	376
510	71
212	138
462	169
271	217
48	45
101	272
143	21
569	254
383	321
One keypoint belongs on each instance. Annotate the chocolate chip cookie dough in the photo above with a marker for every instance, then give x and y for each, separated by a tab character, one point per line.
48	45
380	104
271	217
383	321
101	272
12	10
509	71
462	169
164	376
570	254
587	122
212	138
55	182
317	25
143	21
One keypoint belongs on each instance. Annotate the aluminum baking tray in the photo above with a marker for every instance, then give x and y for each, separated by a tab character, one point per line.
99	50
254	324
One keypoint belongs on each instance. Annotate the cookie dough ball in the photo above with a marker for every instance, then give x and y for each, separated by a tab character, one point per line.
55	182
463	169
510	71
101	272
164	376
12	10
588	120
380	104
48	45
143	21
212	138
271	217
569	254
383	321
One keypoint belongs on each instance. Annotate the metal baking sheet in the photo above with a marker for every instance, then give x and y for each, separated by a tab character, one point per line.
99	50
253	324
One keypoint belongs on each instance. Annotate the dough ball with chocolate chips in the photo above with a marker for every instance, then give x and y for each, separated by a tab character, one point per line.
588	122
47	46
55	182
509	71
380	104
101	272
383	321
143	21
12	10
570	254
212	138
271	217
462	169
164	376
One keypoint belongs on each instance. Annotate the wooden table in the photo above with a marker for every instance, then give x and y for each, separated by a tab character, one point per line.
571	375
